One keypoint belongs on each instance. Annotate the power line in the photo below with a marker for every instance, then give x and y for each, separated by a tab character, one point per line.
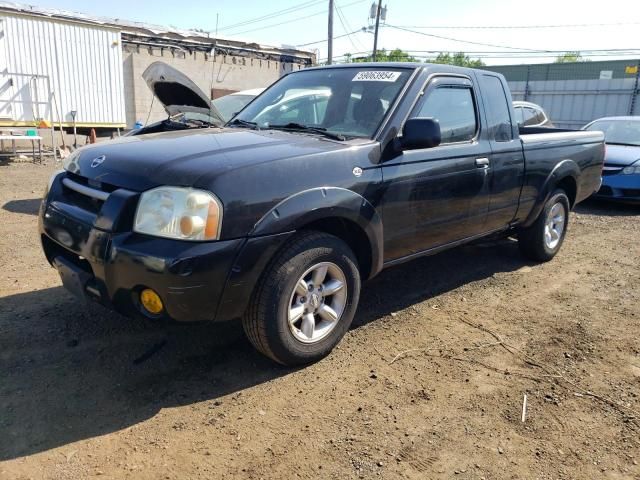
457	39
518	27
269	16
324	39
349	27
344	25
323	12
280	23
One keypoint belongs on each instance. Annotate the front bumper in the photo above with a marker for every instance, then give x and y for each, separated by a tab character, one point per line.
114	268
620	187
112	265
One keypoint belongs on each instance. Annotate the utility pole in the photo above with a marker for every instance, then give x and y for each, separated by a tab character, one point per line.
330	35
375	35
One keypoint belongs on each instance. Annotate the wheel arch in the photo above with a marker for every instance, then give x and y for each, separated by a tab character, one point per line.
564	175
338	211
570	187
352	234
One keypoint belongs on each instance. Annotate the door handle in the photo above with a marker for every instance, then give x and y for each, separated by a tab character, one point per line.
482	162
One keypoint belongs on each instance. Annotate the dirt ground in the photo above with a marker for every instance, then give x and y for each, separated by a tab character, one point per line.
85	392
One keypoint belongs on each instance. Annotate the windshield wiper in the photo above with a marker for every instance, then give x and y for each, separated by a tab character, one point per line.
201	123
245	123
307	128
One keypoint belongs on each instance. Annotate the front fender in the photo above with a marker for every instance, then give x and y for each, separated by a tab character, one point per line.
565	168
321	203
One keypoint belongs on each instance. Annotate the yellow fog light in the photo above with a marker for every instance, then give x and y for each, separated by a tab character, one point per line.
151	301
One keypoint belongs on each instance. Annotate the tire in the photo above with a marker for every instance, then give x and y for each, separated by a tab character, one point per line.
278	297
543	239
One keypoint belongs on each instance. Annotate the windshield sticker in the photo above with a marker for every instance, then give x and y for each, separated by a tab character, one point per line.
374	76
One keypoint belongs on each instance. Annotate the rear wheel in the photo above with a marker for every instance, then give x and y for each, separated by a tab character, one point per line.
542	240
305	301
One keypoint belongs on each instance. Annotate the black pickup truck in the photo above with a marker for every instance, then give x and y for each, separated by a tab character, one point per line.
328	177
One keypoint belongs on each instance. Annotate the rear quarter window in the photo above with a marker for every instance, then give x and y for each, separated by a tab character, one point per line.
497	108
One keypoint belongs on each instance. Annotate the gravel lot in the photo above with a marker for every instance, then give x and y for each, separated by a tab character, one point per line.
85	392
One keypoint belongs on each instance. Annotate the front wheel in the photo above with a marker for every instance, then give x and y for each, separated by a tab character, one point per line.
543	239
305	301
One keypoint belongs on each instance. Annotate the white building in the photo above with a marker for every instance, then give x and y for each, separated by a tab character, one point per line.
53	63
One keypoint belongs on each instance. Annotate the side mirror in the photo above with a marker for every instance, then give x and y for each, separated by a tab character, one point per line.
420	133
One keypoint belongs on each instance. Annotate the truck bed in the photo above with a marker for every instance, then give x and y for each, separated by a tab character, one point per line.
534	130
533	137
546	149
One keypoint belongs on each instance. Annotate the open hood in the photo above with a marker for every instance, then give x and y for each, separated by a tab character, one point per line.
178	93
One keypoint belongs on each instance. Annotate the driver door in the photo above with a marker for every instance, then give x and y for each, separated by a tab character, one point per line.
436	196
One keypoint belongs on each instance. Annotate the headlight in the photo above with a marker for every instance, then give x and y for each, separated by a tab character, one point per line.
635	168
180	213
70	163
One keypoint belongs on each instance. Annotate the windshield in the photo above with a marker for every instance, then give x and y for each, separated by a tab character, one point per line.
622	132
351	102
230	105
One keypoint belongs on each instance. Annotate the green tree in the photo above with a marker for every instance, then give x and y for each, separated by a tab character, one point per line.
570	57
395	55
459	59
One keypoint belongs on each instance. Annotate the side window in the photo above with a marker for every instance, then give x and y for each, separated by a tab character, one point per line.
354	98
320	108
497	107
519	117
454	108
293	111
540	117
530	117
297	106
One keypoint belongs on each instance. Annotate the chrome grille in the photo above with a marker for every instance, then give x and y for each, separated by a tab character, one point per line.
84	190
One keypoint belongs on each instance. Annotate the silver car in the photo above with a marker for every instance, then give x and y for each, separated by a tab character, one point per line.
530	115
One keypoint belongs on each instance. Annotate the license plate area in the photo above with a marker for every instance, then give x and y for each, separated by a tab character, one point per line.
73	277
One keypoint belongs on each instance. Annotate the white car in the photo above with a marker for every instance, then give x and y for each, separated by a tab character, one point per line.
187	106
231	104
530	115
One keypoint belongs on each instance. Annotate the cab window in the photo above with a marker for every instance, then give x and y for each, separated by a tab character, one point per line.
497	108
454	108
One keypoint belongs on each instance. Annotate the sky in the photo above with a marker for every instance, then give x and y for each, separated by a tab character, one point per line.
613	25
